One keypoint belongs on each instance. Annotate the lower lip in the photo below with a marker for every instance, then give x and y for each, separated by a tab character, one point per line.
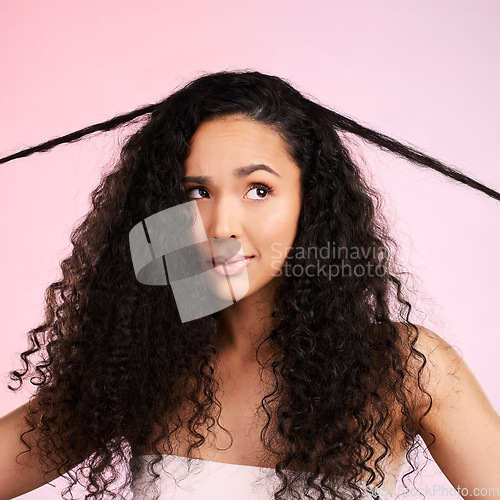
232	268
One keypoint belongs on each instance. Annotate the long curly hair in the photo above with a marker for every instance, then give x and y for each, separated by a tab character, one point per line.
117	365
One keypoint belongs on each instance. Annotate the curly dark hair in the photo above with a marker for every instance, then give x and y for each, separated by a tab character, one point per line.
117	363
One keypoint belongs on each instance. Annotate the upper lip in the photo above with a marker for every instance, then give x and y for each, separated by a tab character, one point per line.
225	259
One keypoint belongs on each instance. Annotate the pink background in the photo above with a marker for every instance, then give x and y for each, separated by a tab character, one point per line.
426	74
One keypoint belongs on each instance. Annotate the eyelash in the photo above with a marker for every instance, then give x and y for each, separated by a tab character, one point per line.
260	185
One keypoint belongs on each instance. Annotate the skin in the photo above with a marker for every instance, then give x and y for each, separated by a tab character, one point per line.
231	207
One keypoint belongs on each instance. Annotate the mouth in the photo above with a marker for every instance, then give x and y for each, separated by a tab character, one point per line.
235	265
225	260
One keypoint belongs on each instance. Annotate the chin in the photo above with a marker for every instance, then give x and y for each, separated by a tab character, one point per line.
221	286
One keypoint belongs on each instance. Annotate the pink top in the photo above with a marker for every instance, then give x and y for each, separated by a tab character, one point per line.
207	480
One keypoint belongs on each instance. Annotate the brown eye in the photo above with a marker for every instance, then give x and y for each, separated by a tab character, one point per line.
262	191
197	188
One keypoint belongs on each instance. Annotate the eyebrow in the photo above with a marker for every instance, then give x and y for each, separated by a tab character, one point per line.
238	172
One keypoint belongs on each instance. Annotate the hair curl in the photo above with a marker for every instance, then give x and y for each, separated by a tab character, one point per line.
117	363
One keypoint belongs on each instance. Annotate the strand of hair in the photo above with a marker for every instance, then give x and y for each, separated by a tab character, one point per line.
79	134
407	152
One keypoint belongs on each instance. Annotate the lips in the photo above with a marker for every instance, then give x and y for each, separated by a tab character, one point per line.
224	259
232	267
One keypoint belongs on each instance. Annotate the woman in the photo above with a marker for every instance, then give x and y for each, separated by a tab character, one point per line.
304	364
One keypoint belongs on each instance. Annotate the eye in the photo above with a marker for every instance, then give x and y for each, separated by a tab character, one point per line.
197	188
261	189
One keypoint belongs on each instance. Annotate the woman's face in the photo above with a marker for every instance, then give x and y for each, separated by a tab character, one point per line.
247	188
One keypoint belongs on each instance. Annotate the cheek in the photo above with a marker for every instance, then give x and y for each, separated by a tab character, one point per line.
282	221
277	233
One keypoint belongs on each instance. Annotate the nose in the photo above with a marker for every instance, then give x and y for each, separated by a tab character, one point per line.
223	219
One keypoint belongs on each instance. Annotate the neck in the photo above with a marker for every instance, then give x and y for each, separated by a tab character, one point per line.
244	325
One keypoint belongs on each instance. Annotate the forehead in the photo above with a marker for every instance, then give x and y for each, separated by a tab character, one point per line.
231	140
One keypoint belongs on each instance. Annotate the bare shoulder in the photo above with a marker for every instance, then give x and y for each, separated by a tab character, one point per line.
431	366
434	364
427	341
460	424
20	467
